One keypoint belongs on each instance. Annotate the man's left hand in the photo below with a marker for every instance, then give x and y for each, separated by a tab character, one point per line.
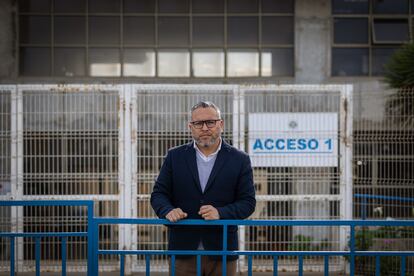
208	212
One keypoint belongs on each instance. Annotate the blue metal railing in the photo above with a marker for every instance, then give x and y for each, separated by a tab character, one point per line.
94	251
62	235
352	253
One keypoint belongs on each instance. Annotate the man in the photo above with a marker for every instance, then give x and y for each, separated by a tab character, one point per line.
205	179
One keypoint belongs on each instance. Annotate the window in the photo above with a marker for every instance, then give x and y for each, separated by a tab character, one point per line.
366	33
156	38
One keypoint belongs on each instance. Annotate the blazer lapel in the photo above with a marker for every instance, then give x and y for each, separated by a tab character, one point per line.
218	165
190	158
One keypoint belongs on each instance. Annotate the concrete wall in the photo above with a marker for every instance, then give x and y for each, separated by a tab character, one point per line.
312	41
7	57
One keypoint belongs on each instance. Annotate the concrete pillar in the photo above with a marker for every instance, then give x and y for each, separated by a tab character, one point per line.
312	41
7	41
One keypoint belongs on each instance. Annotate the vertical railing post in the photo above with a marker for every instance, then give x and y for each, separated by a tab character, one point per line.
37	255
92	242
172	268
122	265
377	266
352	251
12	264
403	261
326	261
224	257
300	264
64	247
275	265
198	265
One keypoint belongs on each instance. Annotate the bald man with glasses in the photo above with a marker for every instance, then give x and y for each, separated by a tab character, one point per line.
205	179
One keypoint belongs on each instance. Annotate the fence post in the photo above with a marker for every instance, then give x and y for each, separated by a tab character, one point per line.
92	248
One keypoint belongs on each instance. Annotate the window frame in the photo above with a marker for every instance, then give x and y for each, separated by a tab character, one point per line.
373	43
122	46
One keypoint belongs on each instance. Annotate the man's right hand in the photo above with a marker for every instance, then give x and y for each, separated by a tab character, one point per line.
175	215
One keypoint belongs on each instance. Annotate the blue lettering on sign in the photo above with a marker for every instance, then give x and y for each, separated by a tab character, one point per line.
293	145
313	144
278	146
268	144
301	144
329	143
258	144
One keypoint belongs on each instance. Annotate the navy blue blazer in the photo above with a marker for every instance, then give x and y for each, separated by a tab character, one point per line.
229	189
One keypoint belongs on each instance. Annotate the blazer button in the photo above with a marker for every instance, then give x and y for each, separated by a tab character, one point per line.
201	201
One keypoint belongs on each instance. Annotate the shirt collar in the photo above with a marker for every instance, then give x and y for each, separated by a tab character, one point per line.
210	155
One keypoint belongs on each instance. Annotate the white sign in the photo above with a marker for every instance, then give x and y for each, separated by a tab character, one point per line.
293	139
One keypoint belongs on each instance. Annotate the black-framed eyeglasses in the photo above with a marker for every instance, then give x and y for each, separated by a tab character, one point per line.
200	124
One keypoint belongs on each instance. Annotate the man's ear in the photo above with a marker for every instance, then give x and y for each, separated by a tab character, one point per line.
222	124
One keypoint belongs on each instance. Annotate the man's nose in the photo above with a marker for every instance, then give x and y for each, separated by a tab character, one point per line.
204	126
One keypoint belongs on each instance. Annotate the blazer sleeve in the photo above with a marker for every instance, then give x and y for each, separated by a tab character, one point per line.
245	202
162	192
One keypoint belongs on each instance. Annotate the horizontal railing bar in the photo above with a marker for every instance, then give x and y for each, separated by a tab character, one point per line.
46	202
252	253
409	199
257	222
45	234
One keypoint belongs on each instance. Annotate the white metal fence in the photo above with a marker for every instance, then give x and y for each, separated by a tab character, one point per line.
107	143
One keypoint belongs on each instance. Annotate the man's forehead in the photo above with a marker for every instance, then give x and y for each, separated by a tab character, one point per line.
204	110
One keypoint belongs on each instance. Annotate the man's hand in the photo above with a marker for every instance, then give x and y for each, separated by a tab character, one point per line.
175	215
208	212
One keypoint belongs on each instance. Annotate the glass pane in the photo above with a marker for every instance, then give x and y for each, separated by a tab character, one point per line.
35	29
173	6
69	62
34	61
70	6
248	35
242	63
277	30
104	62
277	62
173	31
34	6
242	6
390	6
70	29
278	6
391	30
350	6
380	56
139	62
208	31
97	6
350	30
349	61
208	63
142	6
211	6
173	64
139	30
104	30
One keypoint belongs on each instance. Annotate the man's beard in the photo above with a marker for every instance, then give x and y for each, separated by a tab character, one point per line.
211	142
